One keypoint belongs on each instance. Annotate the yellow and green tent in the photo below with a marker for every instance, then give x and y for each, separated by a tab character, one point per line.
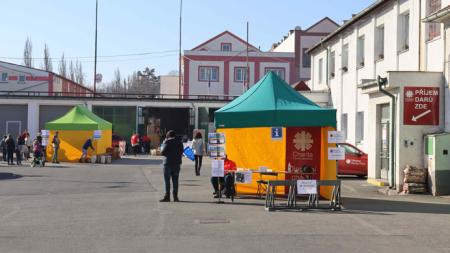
269	106
74	129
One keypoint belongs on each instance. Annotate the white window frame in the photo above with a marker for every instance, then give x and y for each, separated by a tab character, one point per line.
403	31
360	51
379	42
281	72
242	71
320	70
208	74
225	47
344	57
332	66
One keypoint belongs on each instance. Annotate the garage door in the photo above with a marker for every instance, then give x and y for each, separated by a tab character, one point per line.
13	119
51	112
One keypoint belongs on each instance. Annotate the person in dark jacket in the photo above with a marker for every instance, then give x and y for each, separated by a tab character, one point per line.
86	146
172	150
10	148
3	147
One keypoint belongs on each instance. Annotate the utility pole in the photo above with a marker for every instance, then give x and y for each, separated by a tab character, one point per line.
179	53
95	57
247	74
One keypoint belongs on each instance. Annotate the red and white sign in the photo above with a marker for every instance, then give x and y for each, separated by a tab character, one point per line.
421	106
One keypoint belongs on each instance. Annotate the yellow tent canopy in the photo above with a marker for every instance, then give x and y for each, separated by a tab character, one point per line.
74	128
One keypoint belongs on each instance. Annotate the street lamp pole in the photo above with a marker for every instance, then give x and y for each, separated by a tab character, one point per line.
179	53
95	57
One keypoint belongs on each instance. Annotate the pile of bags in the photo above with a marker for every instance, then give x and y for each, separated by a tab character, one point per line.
415	180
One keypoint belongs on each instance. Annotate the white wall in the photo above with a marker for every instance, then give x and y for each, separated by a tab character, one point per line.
288	45
236	45
169	85
16	85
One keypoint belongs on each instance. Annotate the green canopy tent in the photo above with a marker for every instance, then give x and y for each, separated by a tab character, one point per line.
272	102
79	118
274	126
75	128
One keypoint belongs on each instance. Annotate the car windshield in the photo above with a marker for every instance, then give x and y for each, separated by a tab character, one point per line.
350	149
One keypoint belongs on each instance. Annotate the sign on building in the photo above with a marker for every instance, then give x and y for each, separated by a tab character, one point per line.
277	133
421	105
336	137
336	154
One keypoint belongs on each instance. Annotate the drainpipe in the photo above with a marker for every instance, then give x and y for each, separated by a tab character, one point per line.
381	82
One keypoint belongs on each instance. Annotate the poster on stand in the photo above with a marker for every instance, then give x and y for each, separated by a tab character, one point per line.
306	186
217	168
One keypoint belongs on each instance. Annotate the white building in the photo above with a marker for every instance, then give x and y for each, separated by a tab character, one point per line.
218	67
298	41
386	39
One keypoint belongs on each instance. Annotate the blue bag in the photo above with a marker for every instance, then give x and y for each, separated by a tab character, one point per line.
189	153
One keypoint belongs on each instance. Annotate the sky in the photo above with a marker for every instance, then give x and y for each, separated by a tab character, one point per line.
150	27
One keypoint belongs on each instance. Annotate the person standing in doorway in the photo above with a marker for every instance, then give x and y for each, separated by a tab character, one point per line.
55	143
172	150
10	149
3	147
198	146
135	143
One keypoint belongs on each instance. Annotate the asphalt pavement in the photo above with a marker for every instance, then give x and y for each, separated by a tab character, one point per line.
115	208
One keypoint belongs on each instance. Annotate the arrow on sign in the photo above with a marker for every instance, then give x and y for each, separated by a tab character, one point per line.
415	118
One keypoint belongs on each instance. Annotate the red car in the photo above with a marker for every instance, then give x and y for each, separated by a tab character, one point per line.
355	162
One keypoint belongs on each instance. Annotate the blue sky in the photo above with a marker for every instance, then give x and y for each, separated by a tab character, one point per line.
137	26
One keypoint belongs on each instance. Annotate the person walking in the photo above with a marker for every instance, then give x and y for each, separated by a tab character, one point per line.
198	146
10	149
86	146
172	150
3	147
28	144
55	143
19	149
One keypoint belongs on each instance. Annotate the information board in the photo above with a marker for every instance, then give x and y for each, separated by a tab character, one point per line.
336	137
420	105
336	154
306	186
217	168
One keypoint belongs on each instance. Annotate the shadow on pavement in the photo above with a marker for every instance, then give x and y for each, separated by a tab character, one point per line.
9	176
377	205
225	201
131	161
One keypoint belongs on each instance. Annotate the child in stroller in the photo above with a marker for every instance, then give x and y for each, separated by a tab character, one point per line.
38	159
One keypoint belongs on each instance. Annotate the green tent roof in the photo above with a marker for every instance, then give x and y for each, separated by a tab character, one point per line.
79	118
272	102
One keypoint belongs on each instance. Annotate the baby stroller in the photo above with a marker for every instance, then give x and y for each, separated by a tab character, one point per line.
38	159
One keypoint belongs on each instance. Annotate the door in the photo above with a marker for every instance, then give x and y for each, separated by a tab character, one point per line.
384	126
14	128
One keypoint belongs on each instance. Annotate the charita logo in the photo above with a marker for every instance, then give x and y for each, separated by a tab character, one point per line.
303	141
409	94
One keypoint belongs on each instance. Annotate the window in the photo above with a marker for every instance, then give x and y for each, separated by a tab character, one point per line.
4	77
433	30
349	149
344	124
360	52
225	47
306	58
21	79
345	58
379	42
359	126
332	64
206	74
320	70
240	74
278	71
403	38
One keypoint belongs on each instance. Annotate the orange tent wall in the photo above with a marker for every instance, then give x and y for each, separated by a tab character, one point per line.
251	148
72	141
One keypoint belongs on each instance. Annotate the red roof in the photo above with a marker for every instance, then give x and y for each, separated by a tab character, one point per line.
300	86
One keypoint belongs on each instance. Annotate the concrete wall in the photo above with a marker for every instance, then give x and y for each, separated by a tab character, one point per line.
49	113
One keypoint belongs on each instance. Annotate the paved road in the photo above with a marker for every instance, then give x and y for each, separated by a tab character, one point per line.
115	208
